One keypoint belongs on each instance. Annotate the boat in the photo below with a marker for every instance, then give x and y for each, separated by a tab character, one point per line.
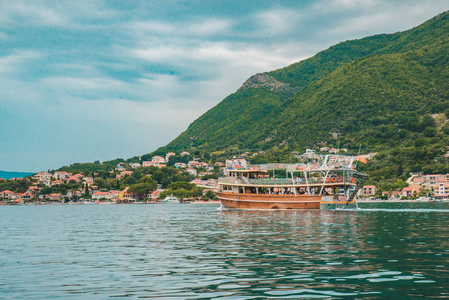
318	182
170	199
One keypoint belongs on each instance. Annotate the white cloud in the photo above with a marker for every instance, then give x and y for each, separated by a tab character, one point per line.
152	73
14	62
280	22
77	83
30	13
210	27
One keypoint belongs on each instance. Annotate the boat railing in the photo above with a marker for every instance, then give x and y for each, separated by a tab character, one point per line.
299	181
289	181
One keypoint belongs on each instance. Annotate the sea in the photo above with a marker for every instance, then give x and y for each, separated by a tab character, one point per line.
196	251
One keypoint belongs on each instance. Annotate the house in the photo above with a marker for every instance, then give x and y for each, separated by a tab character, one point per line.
309	152
135	165
167	156
192	171
57	182
146	163
180	165
7	194
88	180
324	149
219	164
114	195
34	188
55	197
25	196
395	195
43	177
193	164
158	159
411	191
124	196
429	181
441	189
369	190
124	173
128	197
184	153
100	195
154	195
203	165
74	178
59	175
75	194
333	151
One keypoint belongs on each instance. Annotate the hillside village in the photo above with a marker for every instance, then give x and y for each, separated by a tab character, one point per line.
151	179
125	183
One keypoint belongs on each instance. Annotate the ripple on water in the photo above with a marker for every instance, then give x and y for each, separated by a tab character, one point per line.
195	251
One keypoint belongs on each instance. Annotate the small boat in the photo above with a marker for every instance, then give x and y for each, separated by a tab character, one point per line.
170	199
331	184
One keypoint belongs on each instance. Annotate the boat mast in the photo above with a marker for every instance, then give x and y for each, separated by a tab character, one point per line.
307	182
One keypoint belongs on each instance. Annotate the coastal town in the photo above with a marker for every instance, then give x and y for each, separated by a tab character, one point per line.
178	175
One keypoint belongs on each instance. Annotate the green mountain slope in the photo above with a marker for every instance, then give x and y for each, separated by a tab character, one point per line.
384	92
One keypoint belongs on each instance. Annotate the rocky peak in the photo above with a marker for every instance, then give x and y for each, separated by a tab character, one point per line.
265	81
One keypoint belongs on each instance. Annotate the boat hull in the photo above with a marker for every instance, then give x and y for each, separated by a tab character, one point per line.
236	201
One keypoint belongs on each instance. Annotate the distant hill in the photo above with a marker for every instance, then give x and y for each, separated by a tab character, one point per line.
9	175
388	93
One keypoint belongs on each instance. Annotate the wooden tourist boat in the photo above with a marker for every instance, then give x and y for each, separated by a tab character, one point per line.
325	182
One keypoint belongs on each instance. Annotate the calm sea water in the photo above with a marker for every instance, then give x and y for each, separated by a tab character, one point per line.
194	251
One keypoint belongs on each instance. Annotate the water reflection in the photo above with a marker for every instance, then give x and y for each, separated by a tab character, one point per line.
195	251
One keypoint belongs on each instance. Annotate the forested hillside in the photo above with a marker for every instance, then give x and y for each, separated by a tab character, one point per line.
388	93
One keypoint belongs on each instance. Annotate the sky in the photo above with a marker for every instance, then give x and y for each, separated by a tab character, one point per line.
82	81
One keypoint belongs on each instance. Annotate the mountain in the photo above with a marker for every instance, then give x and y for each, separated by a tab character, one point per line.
9	175
388	92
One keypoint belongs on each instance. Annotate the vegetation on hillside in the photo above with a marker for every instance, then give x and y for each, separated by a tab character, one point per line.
388	93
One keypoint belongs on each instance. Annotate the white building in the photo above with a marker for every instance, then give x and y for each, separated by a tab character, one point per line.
167	156
309	152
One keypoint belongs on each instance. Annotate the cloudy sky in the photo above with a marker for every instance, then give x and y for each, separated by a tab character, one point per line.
95	80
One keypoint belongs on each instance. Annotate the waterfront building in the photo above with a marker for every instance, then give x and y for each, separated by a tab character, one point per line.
369	190
441	189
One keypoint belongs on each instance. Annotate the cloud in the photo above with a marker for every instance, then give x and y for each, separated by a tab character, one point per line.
17	11
88	80
277	23
14	62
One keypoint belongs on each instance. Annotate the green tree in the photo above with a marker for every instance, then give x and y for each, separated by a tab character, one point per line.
140	189
182	185
430	132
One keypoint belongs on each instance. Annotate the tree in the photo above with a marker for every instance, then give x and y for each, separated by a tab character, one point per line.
181	185
181	194
446	113
129	180
151	181
209	195
427	121
430	132
141	189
